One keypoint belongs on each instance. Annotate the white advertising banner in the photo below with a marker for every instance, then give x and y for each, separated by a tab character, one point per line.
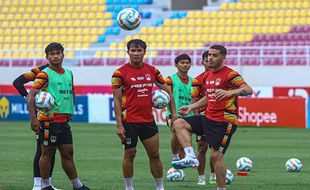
101	110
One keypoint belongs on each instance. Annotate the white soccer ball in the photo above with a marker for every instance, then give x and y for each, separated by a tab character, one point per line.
244	164
128	19
293	165
160	99
175	174
229	176
44	100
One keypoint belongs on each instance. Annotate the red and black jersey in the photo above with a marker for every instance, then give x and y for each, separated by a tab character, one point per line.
137	84
225	110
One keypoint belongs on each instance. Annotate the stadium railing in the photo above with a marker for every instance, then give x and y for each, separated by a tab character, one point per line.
238	56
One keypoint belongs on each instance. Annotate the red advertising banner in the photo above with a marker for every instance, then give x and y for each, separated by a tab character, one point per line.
291	91
283	112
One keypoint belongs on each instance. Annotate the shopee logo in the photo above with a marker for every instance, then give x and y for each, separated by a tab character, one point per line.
256	117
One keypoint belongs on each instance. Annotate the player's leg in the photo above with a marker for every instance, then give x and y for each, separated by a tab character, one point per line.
212	177
151	146
177	152
45	164
184	127
47	151
176	149
65	147
220	167
150	139
36	168
202	147
218	135
131	140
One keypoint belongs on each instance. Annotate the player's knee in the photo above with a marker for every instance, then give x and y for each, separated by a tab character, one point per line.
202	150
216	157
179	124
154	156
130	154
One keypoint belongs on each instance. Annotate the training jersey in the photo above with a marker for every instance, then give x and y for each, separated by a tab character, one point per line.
25	78
183	91
225	110
57	81
136	84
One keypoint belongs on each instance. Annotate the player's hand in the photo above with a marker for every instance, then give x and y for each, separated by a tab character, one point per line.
173	118
35	124
120	131
223	94
184	110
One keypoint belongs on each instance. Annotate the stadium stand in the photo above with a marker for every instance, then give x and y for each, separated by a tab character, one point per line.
256	32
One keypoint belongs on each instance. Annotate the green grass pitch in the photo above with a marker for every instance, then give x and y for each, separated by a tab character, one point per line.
98	157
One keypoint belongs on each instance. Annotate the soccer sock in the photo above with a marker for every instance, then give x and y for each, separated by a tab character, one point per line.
37	181
129	183
221	188
76	183
159	183
212	176
189	152
45	183
201	177
176	156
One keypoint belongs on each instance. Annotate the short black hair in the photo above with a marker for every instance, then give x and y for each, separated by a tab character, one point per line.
221	48
136	43
54	46
205	55
183	56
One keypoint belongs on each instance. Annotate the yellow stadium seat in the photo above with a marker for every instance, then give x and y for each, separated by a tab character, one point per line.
182	38
190	14
191	22
180	30
224	6
158	30
198	22
198	14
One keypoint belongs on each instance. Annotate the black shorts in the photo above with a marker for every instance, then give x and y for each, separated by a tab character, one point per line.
141	130
201	138
217	134
54	134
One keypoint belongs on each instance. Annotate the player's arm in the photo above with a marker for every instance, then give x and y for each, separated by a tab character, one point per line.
185	110
18	83
117	84
238	88
40	82
117	97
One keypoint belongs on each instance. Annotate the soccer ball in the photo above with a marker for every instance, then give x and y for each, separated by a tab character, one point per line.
229	176
160	99
244	164
293	165
44	100
175	174
128	19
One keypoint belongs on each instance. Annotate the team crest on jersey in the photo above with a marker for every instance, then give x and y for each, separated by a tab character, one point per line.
217	81
148	77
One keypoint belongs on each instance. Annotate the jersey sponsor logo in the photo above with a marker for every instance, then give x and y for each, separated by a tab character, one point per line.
148	77
140	78
217	81
4	107
133	79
